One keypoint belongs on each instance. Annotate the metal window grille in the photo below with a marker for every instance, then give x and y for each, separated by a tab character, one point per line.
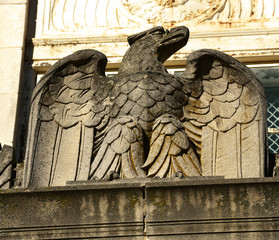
269	76
272	95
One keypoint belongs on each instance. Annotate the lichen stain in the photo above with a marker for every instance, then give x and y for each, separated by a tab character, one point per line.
124	211
103	206
133	199
43	207
241	201
159	202
264	200
87	207
221	199
179	200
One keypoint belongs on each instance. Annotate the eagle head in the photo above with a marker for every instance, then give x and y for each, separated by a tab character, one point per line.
151	48
167	42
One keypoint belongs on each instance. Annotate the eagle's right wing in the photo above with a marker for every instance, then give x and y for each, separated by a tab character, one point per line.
67	118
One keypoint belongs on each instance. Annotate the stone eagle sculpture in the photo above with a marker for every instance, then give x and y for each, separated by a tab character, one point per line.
145	122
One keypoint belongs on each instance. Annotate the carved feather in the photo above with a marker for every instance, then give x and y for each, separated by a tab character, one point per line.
65	117
170	150
121	151
232	98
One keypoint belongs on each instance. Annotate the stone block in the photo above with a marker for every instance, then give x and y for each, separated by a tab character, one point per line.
8	104
10	72
213	209
79	212
12	23
153	209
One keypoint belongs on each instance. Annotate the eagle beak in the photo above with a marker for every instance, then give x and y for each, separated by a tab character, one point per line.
173	40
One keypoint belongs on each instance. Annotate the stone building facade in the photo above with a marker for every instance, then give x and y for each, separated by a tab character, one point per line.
37	33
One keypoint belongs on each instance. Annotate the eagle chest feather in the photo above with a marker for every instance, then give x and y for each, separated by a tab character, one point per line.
147	96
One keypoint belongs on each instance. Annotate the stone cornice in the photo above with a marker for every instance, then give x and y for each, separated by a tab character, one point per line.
114	39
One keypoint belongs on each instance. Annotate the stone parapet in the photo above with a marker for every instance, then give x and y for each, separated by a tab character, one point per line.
194	208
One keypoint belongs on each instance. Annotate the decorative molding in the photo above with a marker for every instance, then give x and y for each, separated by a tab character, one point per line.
118	17
172	12
81	15
247	9
127	231
247	29
212	227
88	40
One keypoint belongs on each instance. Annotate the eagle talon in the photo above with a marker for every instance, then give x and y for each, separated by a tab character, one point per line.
112	175
178	174
95	179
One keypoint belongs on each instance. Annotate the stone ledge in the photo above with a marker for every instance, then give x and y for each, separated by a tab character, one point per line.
152	209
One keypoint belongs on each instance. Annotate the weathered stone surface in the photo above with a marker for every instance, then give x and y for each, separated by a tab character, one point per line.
13	16
145	122
276	166
10	76
230	114
6	166
77	111
214	209
8	108
13	25
117	17
246	30
99	211
200	208
18	180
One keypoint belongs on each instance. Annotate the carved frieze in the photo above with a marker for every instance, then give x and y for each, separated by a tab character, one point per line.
172	12
113	17
246	29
